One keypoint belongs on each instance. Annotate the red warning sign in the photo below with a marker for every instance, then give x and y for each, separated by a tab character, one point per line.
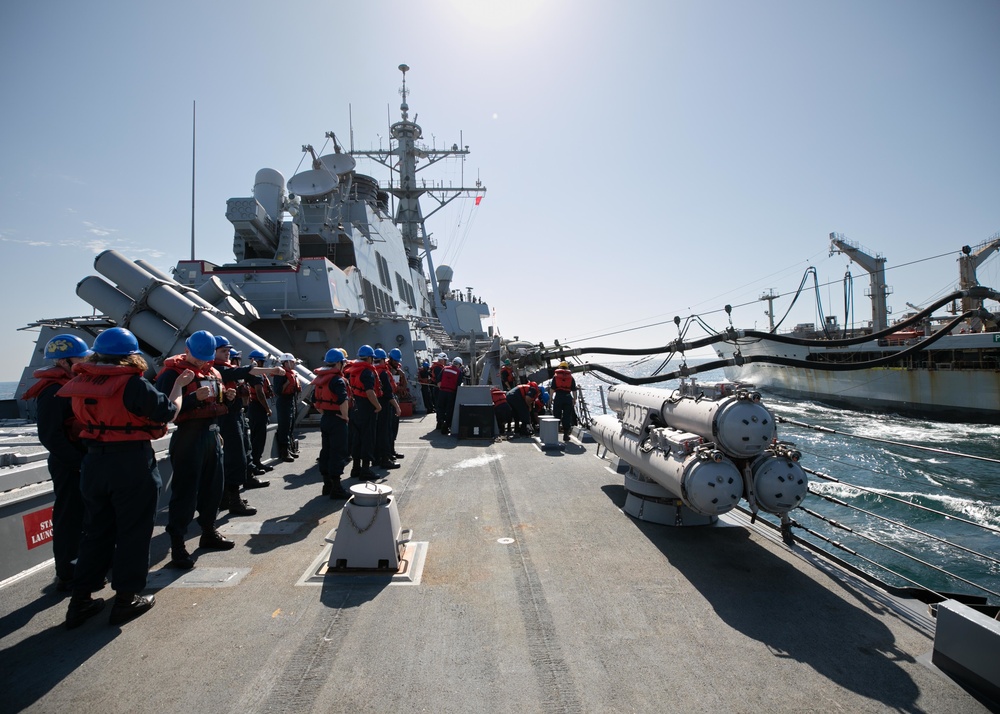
38	527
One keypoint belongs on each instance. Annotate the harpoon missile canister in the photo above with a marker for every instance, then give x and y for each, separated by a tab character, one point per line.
779	483
704	479
738	424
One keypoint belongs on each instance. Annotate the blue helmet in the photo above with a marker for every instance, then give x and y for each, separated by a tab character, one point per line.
65	346
366	351
395	354
201	345
235	354
116	341
379	353
222	341
257	354
333	356
425	363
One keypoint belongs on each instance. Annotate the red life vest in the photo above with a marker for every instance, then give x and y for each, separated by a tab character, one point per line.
526	393
506	375
449	378
499	397
46	378
381	369
291	385
96	394
562	380
424	375
208	409
357	388
323	395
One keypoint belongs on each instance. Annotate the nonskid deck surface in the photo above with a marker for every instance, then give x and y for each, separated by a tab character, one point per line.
537	594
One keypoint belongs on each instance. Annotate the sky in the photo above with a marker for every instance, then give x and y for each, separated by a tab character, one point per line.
642	159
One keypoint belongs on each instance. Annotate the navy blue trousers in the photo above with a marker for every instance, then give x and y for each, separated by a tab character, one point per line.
196	460
120	490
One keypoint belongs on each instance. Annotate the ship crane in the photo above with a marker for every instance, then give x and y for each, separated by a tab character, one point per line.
875	266
971	259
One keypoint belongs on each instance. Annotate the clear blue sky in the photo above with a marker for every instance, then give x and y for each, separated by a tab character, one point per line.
642	159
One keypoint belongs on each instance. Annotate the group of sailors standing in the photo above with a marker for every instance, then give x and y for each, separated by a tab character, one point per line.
97	416
517	406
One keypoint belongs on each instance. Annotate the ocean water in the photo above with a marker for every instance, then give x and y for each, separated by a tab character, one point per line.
870	475
7	390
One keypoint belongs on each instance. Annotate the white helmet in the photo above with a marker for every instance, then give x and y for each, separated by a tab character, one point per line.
457	360
442	355
285	357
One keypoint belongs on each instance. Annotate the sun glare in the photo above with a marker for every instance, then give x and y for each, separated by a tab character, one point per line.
496	14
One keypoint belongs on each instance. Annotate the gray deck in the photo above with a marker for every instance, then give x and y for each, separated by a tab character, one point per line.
584	610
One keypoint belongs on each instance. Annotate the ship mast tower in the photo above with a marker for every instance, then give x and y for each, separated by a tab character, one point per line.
878	291
401	159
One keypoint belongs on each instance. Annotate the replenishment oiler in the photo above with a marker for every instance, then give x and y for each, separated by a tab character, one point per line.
662	559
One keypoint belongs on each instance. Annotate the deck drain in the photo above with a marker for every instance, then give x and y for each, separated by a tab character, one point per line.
505	541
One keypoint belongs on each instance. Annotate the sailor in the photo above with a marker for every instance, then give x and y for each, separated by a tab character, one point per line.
426	386
243	389
521	398
365	391
384	450
120	413
451	379
439	363
232	428
564	398
59	433
195	448
402	388
258	414
287	390
330	396
508	379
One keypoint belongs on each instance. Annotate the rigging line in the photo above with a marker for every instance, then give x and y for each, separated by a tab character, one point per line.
949	516
921	260
897	551
900	524
828	430
902	479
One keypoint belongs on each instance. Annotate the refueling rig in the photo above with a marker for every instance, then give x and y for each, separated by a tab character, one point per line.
696	451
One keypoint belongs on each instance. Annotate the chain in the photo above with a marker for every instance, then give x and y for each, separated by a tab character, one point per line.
382	499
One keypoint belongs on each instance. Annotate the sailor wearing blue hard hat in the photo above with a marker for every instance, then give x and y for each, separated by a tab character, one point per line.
390	407
286	389
57	433
195	449
402	390
119	413
426	383
364	414
330	397
259	414
236	469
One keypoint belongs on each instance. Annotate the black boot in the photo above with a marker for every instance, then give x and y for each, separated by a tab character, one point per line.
81	607
211	539
180	558
129	606
237	506
254	482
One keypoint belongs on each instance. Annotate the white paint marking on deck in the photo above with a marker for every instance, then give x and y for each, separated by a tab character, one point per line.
505	541
478	461
199	577
260	527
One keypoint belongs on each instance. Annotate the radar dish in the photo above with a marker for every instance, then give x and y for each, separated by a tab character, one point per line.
313	183
338	163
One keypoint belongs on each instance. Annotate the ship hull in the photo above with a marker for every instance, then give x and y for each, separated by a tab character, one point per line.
937	388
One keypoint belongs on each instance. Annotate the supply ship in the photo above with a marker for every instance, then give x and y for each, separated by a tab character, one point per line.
926	365
653	562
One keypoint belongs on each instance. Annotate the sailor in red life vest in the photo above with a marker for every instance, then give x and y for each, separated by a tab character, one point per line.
439	362
258	414
330	392
120	413
564	398
402	392
287	390
364	413
59	433
390	407
235	460
507	378
195	449
451	380
426	386
520	399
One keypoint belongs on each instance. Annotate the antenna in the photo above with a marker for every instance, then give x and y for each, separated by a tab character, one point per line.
194	108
